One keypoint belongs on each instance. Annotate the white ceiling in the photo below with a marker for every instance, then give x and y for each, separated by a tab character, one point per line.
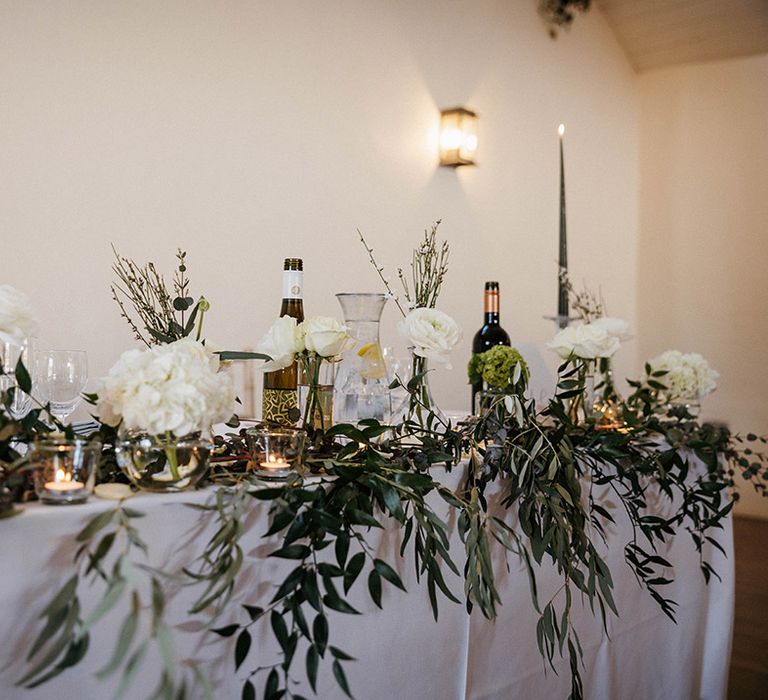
657	33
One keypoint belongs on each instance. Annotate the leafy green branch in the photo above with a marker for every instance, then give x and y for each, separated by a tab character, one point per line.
105	557
161	314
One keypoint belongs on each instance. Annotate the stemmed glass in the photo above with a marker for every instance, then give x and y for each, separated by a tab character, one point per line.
10	353
61	375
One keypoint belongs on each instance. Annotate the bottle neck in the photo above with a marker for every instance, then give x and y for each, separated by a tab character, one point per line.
492	307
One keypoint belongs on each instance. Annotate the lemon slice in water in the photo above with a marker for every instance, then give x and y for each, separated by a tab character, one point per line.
373	362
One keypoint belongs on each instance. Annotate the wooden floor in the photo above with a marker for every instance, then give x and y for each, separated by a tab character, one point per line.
749	659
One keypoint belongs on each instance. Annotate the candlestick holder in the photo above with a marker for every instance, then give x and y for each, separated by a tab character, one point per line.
63	468
275	452
561	321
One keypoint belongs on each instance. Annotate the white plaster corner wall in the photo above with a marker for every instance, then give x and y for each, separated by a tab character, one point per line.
247	131
704	231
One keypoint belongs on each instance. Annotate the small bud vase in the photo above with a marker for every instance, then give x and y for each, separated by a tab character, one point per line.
315	391
419	407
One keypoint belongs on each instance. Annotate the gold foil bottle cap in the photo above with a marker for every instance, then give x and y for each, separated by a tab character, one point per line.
293	264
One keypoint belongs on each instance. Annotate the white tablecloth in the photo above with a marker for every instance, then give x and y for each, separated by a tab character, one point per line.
402	653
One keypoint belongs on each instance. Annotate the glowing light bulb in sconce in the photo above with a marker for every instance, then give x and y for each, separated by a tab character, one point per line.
458	137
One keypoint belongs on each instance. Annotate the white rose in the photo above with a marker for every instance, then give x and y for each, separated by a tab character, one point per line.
326	336
432	333
17	319
281	342
617	327
172	388
587	342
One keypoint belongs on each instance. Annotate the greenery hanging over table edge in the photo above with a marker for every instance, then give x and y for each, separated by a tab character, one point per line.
375	475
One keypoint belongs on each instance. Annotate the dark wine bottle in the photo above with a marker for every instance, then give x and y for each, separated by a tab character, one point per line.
279	395
491	333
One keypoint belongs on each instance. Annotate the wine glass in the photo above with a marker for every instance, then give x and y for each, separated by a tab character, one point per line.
10	353
62	375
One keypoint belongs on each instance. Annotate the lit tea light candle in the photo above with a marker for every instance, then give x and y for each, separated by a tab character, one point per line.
274	462
63	482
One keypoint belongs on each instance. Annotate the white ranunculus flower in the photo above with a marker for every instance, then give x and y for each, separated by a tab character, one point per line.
617	327
432	333
282	342
17	319
326	336
587	342
174	388
688	377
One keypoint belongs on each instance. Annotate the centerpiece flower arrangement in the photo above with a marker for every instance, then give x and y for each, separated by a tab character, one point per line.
162	399
431	334
18	323
687	376
317	344
18	320
590	346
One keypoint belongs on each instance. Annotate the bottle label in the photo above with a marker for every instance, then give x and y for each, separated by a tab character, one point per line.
293	284
491	301
276	405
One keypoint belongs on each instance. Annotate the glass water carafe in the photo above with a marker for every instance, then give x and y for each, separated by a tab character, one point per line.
362	388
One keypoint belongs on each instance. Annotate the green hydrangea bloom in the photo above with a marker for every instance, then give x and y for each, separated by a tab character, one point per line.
496	367
475	368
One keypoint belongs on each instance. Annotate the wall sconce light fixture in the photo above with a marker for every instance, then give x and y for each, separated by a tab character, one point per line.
458	137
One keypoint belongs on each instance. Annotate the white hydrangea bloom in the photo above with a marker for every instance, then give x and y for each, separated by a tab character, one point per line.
688	377
17	319
174	388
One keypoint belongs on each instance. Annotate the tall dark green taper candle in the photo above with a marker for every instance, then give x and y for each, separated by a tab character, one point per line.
562	296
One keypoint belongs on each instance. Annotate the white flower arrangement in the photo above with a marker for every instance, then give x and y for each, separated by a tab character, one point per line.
599	339
174	388
432	333
17	319
282	342
286	340
326	336
689	376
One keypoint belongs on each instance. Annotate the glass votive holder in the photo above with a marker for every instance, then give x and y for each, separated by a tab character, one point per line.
275	452
62	468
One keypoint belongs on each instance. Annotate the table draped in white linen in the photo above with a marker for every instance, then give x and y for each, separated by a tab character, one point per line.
401	651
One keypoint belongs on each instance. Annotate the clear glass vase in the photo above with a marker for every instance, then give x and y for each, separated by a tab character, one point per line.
579	408
315	392
163	462
362	387
419	406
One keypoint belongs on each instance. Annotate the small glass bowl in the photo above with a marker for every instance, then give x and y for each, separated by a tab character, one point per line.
161	464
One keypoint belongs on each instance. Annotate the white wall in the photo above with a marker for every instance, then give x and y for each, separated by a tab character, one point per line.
248	131
704	231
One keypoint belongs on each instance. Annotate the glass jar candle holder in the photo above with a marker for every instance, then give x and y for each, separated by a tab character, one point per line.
63	468
275	452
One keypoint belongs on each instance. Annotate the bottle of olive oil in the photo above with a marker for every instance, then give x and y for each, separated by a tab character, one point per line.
280	387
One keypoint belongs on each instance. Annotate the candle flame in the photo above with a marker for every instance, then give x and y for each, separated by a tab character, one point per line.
61	475
561	130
